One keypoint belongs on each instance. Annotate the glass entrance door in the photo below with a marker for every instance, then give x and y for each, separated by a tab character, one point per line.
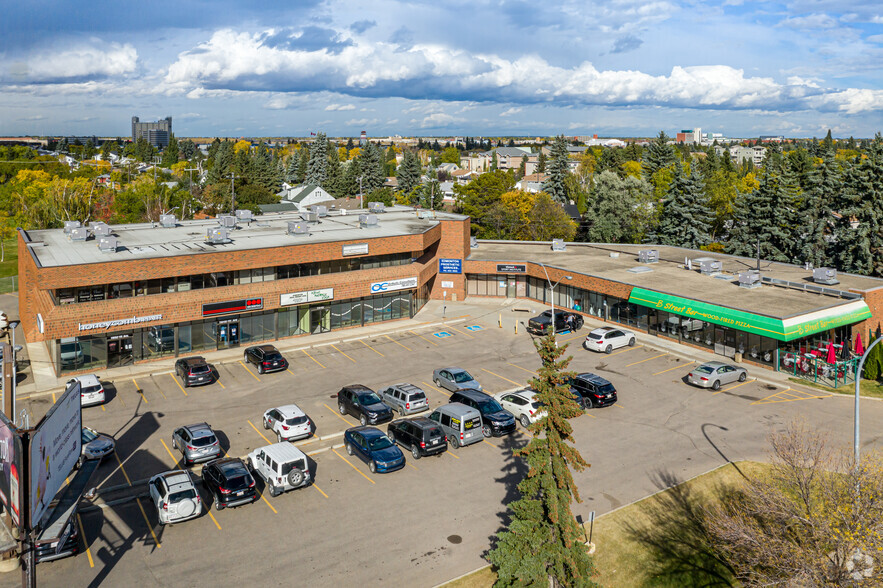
511	291
320	319
228	334
119	352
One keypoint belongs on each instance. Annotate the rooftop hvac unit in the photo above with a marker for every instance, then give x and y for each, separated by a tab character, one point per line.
310	216
749	279
93	224
101	230
168	221
376	207
558	245
244	215
79	234
71	225
216	236
107	244
319	210
473	241
228	221
295	228
614	254
648	256
709	266
825	275
368	221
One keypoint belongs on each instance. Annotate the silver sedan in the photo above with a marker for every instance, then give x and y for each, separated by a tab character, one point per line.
454	378
715	374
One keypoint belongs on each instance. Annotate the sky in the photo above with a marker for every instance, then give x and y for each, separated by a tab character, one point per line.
616	68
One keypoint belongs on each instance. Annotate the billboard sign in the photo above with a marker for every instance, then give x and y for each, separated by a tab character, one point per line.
10	469
55	447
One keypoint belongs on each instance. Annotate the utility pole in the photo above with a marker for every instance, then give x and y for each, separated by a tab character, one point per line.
361	197
190	170
233	190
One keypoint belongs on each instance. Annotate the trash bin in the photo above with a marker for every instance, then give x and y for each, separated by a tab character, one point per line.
738	357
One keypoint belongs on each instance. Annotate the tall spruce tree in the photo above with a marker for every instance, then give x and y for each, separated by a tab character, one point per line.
686	219
291	169
543	544
559	169
658	155
303	163
824	185
317	167
373	177
170	153
541	162
408	174
335	182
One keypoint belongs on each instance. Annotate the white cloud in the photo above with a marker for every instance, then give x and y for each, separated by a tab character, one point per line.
810	21
361	122
78	62
511	111
340	107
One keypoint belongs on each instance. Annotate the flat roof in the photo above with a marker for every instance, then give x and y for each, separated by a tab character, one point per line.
151	240
669	275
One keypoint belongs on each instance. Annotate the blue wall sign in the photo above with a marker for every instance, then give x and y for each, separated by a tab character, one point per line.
450	266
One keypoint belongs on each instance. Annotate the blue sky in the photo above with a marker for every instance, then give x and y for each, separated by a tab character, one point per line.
499	67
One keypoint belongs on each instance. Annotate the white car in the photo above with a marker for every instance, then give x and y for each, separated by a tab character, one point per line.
523	404
281	465
289	422
175	497
91	390
607	339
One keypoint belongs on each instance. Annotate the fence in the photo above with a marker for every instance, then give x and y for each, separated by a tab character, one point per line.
8	284
815	369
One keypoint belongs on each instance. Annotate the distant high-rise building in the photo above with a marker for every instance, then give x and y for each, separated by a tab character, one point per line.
363	140
156	133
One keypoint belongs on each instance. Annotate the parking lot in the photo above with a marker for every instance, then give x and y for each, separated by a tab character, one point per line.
431	521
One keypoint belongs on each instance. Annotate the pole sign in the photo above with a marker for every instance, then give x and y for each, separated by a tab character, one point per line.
511	268
389	286
55	447
450	266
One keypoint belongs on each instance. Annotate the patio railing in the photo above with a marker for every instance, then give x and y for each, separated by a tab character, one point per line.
815	369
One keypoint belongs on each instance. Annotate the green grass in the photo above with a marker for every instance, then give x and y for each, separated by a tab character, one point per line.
9	266
622	560
867	388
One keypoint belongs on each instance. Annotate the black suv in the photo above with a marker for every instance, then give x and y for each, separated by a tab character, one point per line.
495	420
564	321
194	370
229	482
592	390
266	358
364	404
421	435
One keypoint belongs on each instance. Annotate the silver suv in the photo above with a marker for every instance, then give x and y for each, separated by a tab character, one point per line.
281	465
405	399
197	443
175	497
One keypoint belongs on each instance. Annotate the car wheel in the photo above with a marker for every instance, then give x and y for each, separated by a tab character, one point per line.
295	477
245	357
632	342
278	437
261	369
415	452
363	419
608	349
486	430
218	505
525	422
349	449
392	436
716	385
437	383
372	466
579	323
174	443
274	492
742	376
455	443
341	409
266	424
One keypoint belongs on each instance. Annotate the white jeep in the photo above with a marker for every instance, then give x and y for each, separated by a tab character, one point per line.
281	465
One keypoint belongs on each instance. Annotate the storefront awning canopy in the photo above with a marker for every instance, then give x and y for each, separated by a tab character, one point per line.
783	330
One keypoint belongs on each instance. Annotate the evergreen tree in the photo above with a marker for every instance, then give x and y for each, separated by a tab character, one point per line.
541	162
685	219
430	195
824	184
618	208
89	149
303	163
522	168
187	148
106	149
409	172
350	145
543	544
659	155
828	143
351	177
559	169
170	153
220	164
494	161
335	181
372	168
317	168
291	169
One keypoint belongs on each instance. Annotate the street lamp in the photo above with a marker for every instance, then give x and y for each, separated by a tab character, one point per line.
15	350
858	378
552	288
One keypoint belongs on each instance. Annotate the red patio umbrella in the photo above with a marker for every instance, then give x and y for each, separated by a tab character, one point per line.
832	355
859	348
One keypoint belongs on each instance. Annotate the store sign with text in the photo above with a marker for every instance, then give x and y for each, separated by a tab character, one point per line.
305	297
450	266
389	286
244	305
117	323
511	268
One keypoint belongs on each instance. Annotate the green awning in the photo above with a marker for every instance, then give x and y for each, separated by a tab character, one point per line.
783	330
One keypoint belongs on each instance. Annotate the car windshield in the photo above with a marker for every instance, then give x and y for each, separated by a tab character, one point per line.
489	407
368	399
596	336
89	436
203	441
90	389
299	420
379	443
199	369
237	483
287	467
461	377
704	369
176	497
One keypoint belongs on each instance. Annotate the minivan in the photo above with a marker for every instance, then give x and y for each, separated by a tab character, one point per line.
461	423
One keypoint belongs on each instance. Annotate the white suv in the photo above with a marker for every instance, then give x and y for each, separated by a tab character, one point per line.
281	465
607	339
523	404
91	390
289	422
175	497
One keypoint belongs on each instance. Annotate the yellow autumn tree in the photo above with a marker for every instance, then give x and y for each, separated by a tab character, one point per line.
241	145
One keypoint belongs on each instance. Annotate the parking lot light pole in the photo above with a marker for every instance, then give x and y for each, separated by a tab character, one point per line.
552	288
858	379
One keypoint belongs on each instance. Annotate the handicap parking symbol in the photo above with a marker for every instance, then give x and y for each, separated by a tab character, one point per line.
442	334
474	328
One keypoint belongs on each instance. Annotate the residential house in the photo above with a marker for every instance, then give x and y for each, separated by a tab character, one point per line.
463	176
303	196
